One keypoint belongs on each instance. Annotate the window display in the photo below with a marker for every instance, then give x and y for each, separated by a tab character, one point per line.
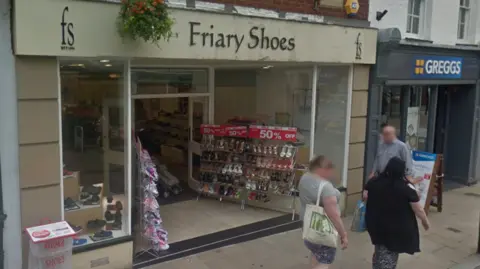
93	144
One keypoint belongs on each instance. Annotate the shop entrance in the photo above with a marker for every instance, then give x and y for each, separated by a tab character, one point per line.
455	123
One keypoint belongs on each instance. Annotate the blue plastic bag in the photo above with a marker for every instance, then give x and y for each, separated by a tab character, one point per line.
358	222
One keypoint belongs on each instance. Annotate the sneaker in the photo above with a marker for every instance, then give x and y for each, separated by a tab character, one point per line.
79	242
75	228
109	199
118	205
101	235
96	224
94	200
67	173
108	216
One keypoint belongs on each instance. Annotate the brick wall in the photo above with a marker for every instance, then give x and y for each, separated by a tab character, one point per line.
297	6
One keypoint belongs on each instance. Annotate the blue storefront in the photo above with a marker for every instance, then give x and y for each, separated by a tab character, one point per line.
431	95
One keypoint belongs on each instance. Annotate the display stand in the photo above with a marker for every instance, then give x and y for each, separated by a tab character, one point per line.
436	186
50	246
248	164
154	236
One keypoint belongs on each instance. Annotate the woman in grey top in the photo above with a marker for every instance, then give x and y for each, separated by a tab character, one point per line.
321	170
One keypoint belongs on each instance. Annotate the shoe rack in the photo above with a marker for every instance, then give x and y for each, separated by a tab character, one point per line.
248	164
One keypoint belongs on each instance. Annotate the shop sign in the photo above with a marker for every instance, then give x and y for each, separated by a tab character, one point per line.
51	231
422	166
68	37
256	38
272	133
438	67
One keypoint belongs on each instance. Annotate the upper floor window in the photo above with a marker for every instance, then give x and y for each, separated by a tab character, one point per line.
463	18
415	17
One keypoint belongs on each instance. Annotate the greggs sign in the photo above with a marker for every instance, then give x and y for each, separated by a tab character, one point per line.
438	67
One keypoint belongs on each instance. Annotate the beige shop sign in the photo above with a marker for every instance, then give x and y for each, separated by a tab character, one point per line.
87	29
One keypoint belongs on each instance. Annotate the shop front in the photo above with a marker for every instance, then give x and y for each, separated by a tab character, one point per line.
91	104
430	95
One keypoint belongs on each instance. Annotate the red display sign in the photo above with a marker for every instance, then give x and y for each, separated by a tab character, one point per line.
236	131
211	129
272	133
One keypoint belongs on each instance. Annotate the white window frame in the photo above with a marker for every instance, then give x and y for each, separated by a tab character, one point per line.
421	19
466	24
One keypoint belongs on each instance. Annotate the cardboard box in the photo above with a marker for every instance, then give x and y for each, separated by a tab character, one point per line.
71	186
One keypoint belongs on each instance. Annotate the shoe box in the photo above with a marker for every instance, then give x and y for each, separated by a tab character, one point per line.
71	186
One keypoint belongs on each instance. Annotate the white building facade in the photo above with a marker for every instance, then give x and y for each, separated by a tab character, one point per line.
447	22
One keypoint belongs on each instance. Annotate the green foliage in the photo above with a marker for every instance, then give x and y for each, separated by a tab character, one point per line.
147	20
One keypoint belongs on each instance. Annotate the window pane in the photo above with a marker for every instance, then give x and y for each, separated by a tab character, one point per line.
391	107
461	31
93	117
409	24
330	122
466	3
410	6
169	81
415	25
462	2
463	15
416	7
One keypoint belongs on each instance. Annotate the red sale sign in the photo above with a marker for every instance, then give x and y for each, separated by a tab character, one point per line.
272	133
236	131
211	129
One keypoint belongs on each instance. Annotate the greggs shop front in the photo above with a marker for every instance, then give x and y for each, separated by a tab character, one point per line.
98	115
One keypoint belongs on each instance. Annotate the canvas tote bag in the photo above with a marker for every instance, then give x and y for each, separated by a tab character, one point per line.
317	227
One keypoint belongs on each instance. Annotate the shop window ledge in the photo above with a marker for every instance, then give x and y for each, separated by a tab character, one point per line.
102	244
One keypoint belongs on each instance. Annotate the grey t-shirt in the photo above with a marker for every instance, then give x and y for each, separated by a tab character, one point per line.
387	151
308	189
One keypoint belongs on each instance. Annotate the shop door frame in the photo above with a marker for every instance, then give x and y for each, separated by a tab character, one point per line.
209	95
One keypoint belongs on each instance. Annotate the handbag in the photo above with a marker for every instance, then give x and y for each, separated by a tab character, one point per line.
318	229
358	222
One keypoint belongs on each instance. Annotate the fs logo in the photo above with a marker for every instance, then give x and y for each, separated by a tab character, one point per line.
68	37
438	67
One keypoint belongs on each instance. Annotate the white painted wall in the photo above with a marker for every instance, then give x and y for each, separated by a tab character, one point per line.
440	24
12	235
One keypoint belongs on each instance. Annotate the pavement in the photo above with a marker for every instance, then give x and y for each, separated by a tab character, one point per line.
451	243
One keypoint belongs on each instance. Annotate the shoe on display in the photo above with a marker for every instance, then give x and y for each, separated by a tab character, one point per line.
67	173
108	216
284	151
118	216
85	195
118	205
111	207
101	235
109	199
70	204
96	224
94	200
75	228
289	151
79	242
92	189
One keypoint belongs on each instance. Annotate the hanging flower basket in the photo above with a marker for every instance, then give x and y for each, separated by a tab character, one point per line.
147	20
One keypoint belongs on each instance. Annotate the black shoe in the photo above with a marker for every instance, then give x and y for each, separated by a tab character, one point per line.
109	199
108	216
92	189
118	216
85	195
70	204
94	200
101	235
75	228
96	224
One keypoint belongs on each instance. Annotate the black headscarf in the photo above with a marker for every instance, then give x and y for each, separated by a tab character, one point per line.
395	169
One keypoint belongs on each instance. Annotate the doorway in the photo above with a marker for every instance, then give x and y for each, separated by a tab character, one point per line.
455	122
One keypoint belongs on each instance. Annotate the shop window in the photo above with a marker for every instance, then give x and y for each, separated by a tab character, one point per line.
93	146
391	109
417	118
331	115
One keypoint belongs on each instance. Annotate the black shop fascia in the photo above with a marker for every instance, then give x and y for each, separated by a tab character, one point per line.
256	38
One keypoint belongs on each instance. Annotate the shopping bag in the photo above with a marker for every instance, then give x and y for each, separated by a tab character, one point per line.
358	222
318	229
